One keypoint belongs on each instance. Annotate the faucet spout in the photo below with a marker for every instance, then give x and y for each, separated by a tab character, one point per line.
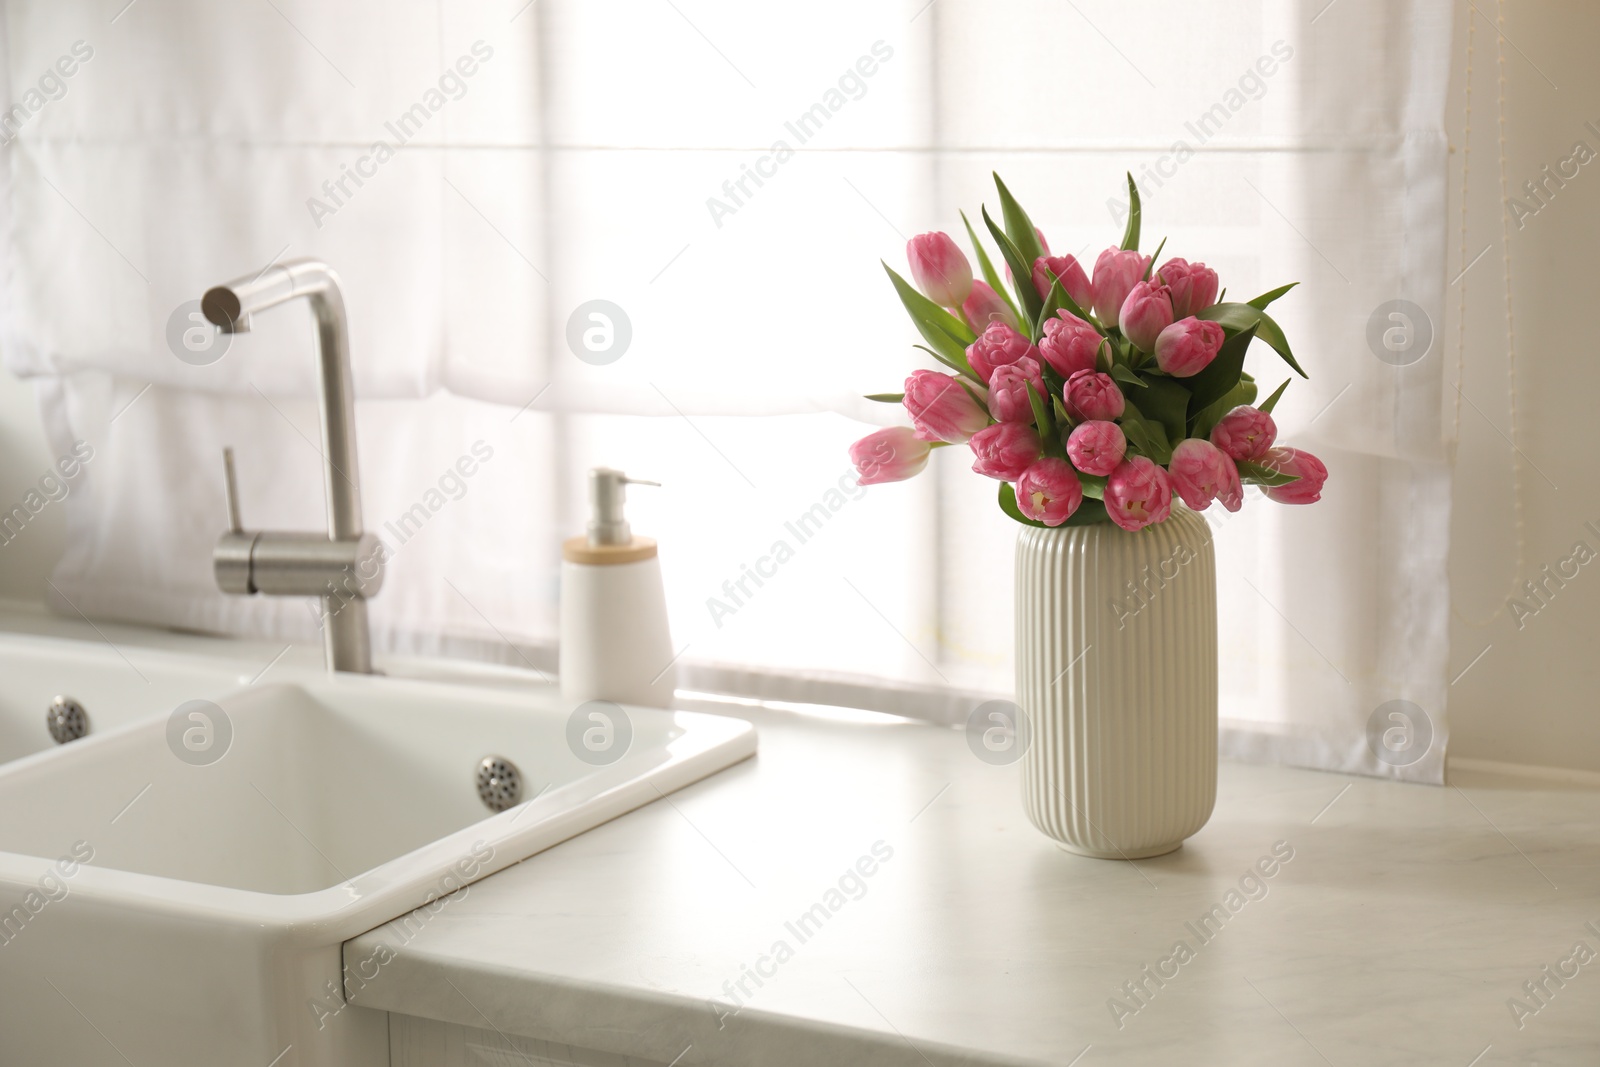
230	307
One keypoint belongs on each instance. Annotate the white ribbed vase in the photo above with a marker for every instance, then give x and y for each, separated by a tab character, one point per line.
1116	647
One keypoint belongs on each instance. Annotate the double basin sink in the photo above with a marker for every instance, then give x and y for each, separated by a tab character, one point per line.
175	886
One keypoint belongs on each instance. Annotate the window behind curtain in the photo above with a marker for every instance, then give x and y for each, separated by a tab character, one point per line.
729	176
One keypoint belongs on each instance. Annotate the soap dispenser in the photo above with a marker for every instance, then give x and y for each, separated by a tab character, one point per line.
615	644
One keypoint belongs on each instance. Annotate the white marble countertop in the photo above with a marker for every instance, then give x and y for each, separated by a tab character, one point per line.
1396	924
1407	921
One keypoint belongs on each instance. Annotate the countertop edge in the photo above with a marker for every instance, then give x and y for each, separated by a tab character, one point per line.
652	1024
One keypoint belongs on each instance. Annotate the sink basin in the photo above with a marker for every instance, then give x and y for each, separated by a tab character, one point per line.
114	687
226	872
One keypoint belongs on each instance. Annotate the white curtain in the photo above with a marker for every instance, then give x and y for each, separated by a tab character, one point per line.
729	177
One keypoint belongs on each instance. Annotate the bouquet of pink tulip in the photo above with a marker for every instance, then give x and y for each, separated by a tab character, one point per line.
1089	400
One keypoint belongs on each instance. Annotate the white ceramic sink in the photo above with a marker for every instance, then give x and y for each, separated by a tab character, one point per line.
114	686
207	926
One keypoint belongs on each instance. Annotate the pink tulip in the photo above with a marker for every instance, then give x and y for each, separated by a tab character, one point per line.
1308	469
1069	344
1049	491
1245	433
1202	472
1096	447
1188	346
1008	391
1193	285
941	409
997	346
1069	272
1091	395
984	306
940	269
1138	494
1005	450
890	455
1145	313
1116	272
1230	491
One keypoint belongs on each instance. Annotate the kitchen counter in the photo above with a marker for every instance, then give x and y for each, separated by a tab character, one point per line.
1323	919
867	891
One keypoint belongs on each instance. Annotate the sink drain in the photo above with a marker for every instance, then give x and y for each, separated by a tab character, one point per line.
499	783
67	720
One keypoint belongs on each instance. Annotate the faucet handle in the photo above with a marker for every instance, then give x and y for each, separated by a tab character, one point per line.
231	559
230	490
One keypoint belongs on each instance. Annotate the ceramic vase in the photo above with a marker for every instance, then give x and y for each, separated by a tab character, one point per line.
1116	656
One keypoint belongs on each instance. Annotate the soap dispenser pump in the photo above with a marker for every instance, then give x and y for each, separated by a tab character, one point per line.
615	644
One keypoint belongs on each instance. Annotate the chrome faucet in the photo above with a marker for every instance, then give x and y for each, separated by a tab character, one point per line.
346	567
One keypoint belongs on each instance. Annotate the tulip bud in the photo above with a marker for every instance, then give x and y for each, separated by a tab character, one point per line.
940	269
997	346
1310	473
1004	450
1008	391
1138	494
1201	472
1116	272
1091	395
1049	491
1096	447
1046	269
890	455
984	306
1144	314
1188	346
1193	285
1070	344
941	409
1245	433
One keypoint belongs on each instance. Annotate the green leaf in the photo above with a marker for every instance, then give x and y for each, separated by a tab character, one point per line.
1258	474
1201	425
1151	265
1130	235
1008	504
1041	420
1021	272
1166	401
1236	317
887	398
1266	298
1123	373
1061	411
937	327
1094	486
1019	227
1272	401
1105	357
924	310
1089	512
986	265
1147	436
1221	374
953	366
